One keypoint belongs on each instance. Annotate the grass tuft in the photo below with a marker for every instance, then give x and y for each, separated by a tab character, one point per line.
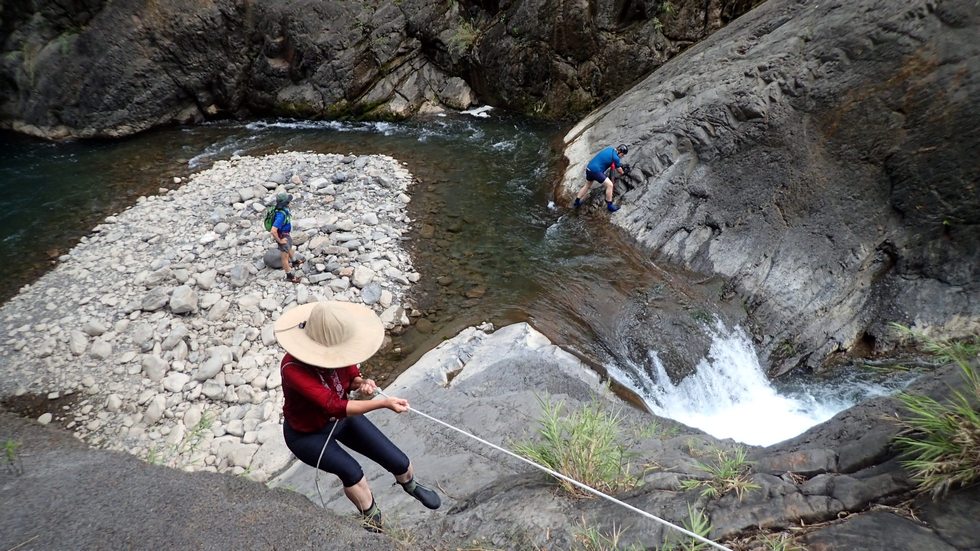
729	472
780	542
590	538
462	39
941	440
12	458
698	523
584	445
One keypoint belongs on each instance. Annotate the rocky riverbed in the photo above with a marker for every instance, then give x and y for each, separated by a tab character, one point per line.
153	337
154	334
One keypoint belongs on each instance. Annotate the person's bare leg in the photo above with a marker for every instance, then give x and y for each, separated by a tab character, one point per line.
583	190
408	475
360	495
286	266
609	190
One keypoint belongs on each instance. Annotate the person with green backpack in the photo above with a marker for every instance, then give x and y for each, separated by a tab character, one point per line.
278	222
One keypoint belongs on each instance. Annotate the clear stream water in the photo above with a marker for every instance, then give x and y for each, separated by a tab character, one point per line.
488	240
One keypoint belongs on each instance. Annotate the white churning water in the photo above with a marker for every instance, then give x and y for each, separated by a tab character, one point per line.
729	395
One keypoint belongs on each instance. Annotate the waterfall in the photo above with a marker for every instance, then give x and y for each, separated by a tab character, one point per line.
729	395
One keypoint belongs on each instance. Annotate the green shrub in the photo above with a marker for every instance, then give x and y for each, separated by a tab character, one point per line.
584	446
941	440
462	39
729	472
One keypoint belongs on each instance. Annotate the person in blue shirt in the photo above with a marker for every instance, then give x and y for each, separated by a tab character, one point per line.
607	159
281	227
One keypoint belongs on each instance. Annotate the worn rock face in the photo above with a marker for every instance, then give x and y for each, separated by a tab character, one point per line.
491	385
105	69
821	157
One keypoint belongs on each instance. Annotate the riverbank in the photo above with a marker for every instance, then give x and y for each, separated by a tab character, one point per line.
154	334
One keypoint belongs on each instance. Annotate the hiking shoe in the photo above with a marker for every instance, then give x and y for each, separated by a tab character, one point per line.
426	497
611	207
371	519
292	278
578	202
297	263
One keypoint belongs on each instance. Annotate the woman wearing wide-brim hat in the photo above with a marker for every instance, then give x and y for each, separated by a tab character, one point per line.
325	342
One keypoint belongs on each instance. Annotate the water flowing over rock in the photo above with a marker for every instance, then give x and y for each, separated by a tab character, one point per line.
805	153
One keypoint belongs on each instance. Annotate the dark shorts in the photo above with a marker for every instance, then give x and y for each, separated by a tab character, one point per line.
593	176
355	432
288	245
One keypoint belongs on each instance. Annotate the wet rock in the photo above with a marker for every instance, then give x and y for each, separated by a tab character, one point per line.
804	462
954	516
876	531
854	494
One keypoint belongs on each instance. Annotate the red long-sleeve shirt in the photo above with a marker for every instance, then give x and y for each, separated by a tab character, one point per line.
313	395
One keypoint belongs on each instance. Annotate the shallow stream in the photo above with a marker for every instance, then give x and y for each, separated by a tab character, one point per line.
488	240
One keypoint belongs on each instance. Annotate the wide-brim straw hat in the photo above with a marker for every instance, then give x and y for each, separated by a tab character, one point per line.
330	334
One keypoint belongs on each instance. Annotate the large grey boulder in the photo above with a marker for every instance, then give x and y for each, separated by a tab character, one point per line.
820	156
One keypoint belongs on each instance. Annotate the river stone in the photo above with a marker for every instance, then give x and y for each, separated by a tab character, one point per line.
157	277
219	310
239	275
77	342
211	367
339	285
183	300
157	298
154	367
154	412
302	294
268	335
213	389
94	328
371	294
272	258
101	349
206	280
113	403
177	334
362	276
174	381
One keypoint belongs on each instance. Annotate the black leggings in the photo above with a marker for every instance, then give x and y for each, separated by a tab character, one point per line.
355	432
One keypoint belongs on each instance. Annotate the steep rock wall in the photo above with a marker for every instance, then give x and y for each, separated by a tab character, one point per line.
94	68
821	156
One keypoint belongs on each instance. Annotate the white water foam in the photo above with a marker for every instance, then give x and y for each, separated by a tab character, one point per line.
729	395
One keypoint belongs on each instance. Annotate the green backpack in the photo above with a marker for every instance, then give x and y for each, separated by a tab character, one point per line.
270	217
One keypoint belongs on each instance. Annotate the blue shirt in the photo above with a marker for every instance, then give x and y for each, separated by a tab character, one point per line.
604	160
283	221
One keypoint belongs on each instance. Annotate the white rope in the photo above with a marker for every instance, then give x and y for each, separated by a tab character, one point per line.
316	477
572	481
